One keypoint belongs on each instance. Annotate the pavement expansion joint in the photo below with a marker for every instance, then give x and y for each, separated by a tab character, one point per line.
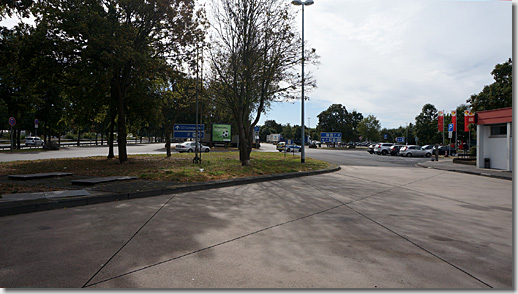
195	251
420	246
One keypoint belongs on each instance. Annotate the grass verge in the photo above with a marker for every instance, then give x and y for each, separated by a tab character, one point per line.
177	168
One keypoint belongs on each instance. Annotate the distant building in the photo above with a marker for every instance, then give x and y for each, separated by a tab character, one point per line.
495	139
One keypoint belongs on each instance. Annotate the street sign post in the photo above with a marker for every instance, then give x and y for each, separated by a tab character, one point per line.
12	122
331	137
188	131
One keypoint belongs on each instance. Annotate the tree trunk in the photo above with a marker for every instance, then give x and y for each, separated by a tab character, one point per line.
121	129
168	130
110	136
18	136
245	145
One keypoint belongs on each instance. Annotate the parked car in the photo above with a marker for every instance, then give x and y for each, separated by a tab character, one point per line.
190	146
33	141
370	148
429	147
394	150
442	150
383	148
281	146
414	150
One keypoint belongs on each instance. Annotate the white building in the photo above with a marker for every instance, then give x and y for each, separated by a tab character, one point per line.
495	139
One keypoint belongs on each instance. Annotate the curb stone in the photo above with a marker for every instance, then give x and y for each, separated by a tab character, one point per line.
467	172
43	204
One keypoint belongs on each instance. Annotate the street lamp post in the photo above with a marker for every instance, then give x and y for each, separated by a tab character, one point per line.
302	3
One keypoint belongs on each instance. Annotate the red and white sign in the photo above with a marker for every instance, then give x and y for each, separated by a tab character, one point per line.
469	118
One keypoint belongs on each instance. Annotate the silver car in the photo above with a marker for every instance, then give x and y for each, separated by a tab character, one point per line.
189	147
414	150
33	141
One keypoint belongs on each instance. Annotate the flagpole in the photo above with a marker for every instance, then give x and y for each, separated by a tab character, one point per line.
443	129
456	131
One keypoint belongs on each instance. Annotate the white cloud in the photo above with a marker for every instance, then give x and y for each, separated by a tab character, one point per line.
389	58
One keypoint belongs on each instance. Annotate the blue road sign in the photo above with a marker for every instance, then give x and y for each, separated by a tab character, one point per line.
450	128
385	136
400	139
12	121
330	137
188	131
256	129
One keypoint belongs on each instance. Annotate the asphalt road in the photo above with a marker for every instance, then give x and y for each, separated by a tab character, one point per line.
353	157
386	226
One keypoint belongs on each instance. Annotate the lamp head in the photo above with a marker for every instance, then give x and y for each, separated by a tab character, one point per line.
296	2
309	2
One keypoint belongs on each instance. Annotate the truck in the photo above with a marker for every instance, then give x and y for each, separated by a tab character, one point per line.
273	138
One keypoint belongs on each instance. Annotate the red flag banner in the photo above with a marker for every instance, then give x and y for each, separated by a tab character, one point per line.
454	120
469	118
440	120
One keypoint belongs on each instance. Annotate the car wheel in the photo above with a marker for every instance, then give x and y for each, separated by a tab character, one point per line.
207	150
384	152
288	150
190	151
428	154
409	155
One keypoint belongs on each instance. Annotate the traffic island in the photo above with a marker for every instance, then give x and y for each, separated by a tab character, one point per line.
95	195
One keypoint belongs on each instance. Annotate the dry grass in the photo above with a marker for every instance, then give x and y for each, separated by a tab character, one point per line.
177	168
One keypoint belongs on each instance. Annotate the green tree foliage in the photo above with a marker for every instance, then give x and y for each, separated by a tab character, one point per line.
119	47
497	95
369	128
426	125
269	127
336	118
287	132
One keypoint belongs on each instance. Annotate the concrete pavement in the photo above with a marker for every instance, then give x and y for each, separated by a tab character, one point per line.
360	227
447	164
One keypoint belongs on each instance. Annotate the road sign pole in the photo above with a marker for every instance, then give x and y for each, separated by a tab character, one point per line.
12	139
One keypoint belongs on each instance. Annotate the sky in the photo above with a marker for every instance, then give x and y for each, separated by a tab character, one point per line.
390	58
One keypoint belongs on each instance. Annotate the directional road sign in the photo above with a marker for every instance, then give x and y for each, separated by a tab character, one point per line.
188	131
330	137
400	139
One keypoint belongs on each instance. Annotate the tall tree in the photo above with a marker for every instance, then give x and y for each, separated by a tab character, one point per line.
499	94
128	39
254	49
426	125
369	128
336	118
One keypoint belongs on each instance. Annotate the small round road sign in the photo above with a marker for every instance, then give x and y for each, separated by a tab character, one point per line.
12	121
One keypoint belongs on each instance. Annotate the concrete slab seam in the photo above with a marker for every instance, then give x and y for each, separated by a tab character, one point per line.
212	246
421	247
129	240
399	235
